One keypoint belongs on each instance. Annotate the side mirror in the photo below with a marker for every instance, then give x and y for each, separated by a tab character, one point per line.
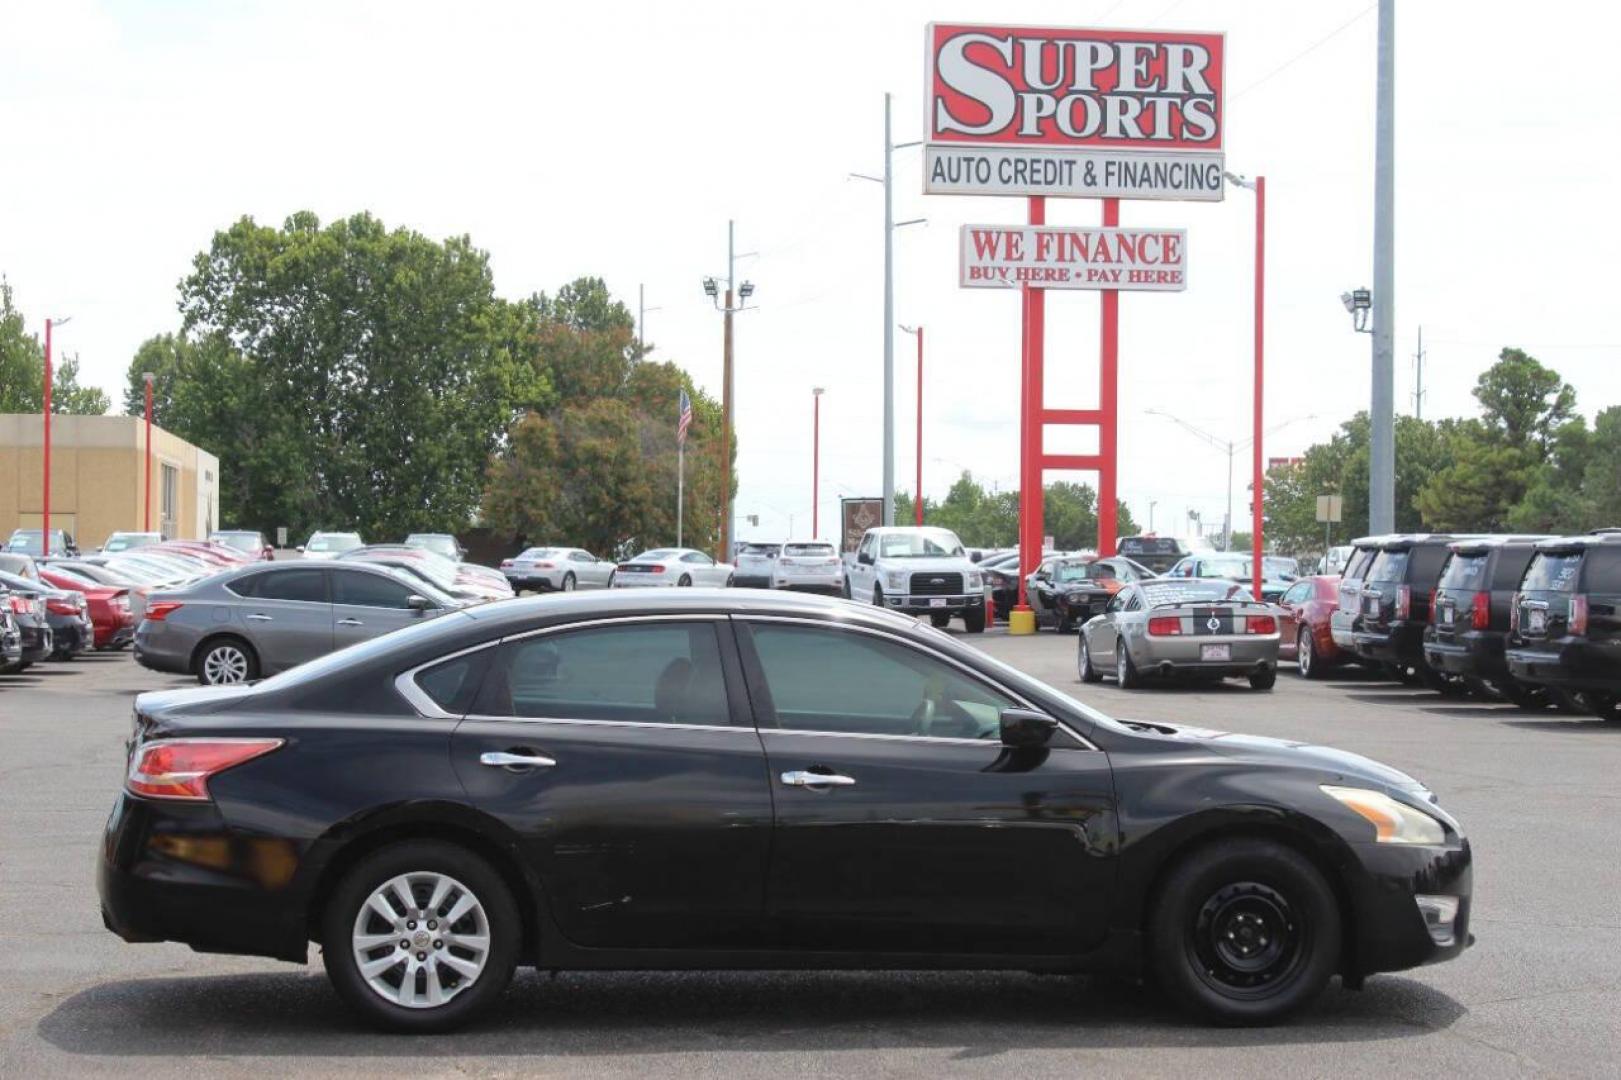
299	549
418	603
864	558
1025	729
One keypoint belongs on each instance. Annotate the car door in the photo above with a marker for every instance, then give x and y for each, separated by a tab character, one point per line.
861	570
902	822
701	568
1293	607
285	614
622	756
366	605
589	572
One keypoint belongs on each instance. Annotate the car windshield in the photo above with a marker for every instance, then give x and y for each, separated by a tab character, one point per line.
542	553
1227	568
1074	571
1182	590
651	556
437	573
333	542
770	551
1388	565
435	542
73	577
126	541
27	542
920	544
1279	566
824	550
242	541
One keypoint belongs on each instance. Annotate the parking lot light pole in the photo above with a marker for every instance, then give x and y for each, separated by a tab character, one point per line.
816	462
146	488
1258	185
917	492
743	292
45	495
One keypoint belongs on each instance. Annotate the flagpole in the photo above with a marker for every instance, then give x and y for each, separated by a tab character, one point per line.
680	487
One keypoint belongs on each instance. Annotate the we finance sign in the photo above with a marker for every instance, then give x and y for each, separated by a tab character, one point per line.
1070	112
1048	257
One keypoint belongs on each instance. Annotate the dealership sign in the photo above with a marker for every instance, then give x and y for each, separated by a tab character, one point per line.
1049	257
1068	112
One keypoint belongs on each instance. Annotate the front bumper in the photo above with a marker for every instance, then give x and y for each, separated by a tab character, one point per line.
1390	931
1571	663
177	872
1399	642
934	605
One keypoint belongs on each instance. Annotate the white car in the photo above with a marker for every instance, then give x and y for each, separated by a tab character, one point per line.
557	569
671	566
755	562
921	571
329	545
808	564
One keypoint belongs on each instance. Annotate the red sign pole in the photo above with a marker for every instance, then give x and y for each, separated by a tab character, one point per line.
146	514
1260	314
918	491
1031	423
45	517
1109	404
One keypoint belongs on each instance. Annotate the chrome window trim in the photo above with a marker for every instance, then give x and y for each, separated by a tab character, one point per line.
922	647
405	683
580	722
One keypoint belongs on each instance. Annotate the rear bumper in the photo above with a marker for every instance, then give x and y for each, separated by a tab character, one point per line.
1400	642
153	652
751	581
1183	656
1477	653
523	579
1342	628
38	643
1571	663
832	584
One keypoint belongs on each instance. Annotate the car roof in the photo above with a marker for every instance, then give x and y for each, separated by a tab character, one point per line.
1587	540
698	601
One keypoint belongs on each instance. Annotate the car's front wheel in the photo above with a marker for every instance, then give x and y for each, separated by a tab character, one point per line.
420	936
1246	931
1088	673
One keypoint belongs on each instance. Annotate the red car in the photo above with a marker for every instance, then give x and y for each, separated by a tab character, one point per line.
1304	635
109	606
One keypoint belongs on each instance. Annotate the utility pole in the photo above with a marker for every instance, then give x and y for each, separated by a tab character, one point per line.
1418	378
816	462
726	406
641	316
889	326
1382	448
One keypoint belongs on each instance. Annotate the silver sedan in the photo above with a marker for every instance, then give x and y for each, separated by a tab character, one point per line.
1198	628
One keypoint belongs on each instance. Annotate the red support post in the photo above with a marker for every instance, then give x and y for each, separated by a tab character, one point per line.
1260	315
146	519
45	517
1109	404
1031	426
917	493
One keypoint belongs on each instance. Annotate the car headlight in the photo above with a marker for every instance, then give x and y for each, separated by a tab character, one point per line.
1393	822
974	582
896	580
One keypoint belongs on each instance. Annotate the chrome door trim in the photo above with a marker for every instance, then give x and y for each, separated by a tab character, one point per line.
918	646
584	722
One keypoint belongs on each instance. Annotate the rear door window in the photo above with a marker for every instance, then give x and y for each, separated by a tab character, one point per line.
1466	573
1553	572
1388	566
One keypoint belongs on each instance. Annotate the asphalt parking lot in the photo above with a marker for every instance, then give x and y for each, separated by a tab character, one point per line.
1540	993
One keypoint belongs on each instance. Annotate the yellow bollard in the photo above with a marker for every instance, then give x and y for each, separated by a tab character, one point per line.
1021	622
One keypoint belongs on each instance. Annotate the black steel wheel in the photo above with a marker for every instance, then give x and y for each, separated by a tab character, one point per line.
1246	931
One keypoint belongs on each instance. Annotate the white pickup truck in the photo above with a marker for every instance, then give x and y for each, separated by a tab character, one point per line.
921	571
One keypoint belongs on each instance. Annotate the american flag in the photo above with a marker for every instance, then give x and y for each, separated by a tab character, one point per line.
686	419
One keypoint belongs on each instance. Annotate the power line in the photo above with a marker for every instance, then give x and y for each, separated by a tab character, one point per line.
1313	47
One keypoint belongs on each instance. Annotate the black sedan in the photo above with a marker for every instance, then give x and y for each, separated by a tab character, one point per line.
670	779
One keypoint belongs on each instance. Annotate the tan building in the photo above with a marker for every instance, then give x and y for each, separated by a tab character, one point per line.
98	478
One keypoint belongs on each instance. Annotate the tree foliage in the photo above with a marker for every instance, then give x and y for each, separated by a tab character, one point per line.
991	519
22	370
595	464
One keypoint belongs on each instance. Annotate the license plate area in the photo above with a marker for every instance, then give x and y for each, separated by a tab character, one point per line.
1209	653
1370	605
1536	620
938	601
1448	613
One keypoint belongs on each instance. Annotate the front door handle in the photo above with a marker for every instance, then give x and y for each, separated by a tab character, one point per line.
803	778
256	617
350	622
502	759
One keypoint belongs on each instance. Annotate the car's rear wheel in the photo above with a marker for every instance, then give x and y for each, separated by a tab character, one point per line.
1245	931
1604	705
1083	663
420	936
686	580
1264	678
568	582
1306	656
226	661
1125	672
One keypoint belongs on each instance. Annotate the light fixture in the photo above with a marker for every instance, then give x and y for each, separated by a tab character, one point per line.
1359	302
746	290
710	289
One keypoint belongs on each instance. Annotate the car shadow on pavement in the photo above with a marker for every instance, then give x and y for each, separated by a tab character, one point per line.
607	1014
1578	725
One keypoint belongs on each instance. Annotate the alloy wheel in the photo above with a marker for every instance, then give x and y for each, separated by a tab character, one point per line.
568	582
420	939
225	665
1303	653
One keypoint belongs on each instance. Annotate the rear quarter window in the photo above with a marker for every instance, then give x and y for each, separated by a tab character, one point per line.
1552	572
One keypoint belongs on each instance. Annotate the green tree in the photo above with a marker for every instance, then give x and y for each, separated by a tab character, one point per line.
354	376
991	519
1601	482
22	370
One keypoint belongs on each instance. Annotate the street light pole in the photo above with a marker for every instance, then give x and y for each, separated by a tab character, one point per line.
816	462
917	492
1382	433
146	520
743	292
1257	480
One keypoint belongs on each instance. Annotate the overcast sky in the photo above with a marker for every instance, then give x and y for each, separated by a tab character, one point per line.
617	138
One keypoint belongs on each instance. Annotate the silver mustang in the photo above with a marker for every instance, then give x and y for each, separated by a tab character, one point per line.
1192	627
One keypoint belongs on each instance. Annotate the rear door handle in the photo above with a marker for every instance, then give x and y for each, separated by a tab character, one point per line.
350	622
804	778
256	617
502	759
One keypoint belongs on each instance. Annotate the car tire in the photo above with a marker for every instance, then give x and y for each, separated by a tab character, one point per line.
940	619
1600	703
1083	663
424	866
1265	679
685	582
1245	931
1524	695
845	589
1306	659
568	582
877	596
611	575
1125	672
973	621
225	661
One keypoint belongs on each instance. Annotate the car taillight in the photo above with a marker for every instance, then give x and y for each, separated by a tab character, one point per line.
1165	624
506	564
1404	601
1433	594
61	607
544	566
180	768
20	604
1577	625
1480	618
656	568
1260	624
162	609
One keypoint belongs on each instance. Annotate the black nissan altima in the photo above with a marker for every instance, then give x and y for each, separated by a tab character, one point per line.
707	779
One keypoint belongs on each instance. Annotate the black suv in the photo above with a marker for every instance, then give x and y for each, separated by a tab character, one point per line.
1566	630
1471	610
1395	605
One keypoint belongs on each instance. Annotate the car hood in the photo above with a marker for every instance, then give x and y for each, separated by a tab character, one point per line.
1289	752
